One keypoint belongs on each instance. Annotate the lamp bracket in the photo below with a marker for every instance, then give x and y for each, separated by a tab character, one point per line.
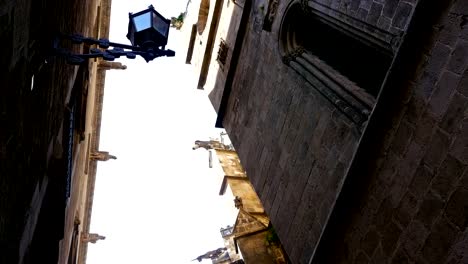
104	51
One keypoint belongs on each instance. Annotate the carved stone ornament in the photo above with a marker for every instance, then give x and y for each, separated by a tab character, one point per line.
101	156
92	237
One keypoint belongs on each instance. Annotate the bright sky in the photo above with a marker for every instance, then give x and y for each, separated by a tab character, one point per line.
158	202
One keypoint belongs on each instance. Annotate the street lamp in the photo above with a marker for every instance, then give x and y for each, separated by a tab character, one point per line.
147	31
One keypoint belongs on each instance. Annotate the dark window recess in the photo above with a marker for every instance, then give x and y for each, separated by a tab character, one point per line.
359	62
72	254
222	52
79	97
270	15
188	60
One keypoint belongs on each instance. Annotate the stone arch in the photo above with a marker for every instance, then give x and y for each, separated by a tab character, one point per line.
290	24
334	58
203	15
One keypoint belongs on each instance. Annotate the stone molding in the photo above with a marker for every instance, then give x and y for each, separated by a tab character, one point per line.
346	95
368	33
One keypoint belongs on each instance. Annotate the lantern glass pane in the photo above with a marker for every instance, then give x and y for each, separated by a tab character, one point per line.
142	21
160	25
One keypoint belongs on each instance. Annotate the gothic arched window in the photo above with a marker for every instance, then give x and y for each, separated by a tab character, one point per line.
344	63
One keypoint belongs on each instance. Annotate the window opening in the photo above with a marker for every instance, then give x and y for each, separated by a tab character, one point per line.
222	52
360	63
337	59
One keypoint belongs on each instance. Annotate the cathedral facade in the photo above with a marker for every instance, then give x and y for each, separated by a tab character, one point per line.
349	117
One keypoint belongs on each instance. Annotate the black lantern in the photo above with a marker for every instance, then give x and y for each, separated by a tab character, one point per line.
148	29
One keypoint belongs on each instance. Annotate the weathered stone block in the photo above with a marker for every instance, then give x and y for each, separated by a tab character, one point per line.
429	210
400	257
390	237
389	169
460	8
297	233
443	92
363	222
379	256
414	108
259	180
439	242
464	180
325	208
424	129
272	189
308	250
402	138
411	160
354	6
437	150
460	144
390	8
463	84
384	22
457	208
450	30
426	84
447	176
439	56
282	218
413	237
406	210
384	213
399	187
421	181
459	58
362	13
335	4
336	177
365	4
370	242
459	251
374	13
319	131
361	258
329	135
402	15
350	246
454	115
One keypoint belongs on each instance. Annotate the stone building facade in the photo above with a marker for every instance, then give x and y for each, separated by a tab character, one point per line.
73	246
51	116
227	235
252	228
350	118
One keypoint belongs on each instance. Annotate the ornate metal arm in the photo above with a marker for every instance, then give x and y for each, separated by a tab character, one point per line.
103	51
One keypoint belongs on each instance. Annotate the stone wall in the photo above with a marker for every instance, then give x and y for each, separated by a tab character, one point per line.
230	163
293	143
228	25
301	149
414	209
253	249
389	15
238	182
297	147
33	109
